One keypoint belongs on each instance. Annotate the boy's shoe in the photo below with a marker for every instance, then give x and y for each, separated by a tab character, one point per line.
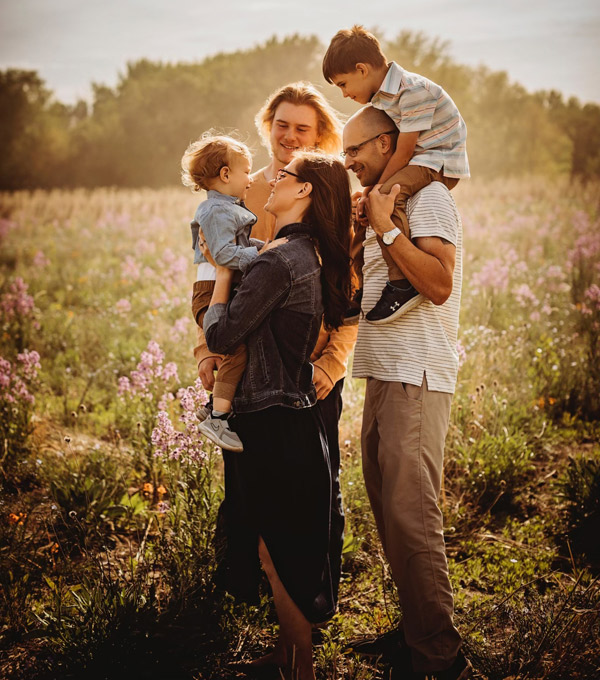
393	303
384	647
460	670
218	431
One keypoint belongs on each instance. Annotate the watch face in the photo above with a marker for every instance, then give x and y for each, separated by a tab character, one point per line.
389	236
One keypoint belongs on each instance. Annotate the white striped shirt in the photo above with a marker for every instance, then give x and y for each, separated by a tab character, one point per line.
417	104
422	341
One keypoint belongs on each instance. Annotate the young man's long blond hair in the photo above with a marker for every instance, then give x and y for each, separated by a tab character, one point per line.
329	125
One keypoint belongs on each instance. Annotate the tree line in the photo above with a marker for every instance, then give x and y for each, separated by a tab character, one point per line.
134	134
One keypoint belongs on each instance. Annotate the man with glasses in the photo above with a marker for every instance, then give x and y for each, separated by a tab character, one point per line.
411	366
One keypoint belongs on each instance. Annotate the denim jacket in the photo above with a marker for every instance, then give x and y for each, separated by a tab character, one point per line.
277	311
226	223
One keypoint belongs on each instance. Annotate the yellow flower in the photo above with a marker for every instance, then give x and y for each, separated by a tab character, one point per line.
154	312
161	491
148	488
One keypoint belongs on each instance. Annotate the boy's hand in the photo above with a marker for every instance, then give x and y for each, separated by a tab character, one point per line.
380	207
204	248
273	244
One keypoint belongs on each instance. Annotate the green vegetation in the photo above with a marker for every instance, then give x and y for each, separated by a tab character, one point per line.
109	497
133	135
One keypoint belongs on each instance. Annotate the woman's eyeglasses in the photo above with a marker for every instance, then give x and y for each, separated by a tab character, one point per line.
353	150
284	172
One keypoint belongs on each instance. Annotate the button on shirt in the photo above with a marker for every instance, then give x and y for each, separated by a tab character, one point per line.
422	341
417	104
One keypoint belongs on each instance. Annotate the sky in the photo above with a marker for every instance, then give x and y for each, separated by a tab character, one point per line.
542	44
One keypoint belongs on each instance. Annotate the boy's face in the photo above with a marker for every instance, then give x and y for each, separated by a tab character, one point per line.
239	176
357	85
294	127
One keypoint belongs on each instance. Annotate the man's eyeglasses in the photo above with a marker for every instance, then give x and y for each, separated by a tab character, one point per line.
353	150
282	173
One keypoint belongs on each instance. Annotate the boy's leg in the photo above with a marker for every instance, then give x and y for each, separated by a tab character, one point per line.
399	296
229	375
216	427
411	179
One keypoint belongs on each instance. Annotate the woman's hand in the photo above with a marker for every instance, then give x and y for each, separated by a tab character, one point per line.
273	244
204	248
380	208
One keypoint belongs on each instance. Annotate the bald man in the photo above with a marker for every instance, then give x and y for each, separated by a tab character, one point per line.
410	366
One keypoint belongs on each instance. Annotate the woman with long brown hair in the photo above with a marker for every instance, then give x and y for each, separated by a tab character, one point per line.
278	492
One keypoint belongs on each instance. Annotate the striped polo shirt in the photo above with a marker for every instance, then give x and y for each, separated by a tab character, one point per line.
422	341
417	104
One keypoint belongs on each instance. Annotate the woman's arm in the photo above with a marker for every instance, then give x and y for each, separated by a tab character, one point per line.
265	285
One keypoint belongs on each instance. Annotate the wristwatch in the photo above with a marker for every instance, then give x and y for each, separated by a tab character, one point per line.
389	237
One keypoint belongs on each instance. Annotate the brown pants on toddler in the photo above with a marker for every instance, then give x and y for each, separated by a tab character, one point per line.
411	179
232	368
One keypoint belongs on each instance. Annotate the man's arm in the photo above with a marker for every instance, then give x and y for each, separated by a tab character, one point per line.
428	263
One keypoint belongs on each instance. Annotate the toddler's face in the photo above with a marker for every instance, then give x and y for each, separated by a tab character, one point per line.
355	85
239	176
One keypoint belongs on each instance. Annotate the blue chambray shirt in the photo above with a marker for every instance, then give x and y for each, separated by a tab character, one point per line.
226	224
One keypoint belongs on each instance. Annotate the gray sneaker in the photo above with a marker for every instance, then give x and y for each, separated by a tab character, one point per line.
218	431
203	412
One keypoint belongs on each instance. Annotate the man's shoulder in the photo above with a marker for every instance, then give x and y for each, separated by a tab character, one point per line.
433	194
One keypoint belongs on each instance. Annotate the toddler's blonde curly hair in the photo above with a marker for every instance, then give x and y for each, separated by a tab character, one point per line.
204	158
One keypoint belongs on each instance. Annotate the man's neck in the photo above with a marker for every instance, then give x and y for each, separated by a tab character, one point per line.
270	171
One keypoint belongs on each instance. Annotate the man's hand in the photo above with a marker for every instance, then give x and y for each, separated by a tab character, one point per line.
359	203
204	248
322	383
206	371
380	208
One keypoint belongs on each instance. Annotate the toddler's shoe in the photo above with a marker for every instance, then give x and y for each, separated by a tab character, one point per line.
219	432
205	410
203	413
393	303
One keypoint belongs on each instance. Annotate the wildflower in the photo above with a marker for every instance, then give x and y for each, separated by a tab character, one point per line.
162	507
123	306
161	491
148	488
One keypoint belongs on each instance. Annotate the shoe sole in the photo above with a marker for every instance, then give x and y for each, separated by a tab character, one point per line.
411	304
209	434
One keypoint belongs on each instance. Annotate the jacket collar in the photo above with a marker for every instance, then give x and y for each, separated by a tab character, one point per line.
294	228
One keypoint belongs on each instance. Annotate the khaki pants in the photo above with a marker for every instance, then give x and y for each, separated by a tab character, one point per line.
231	370
403	433
411	179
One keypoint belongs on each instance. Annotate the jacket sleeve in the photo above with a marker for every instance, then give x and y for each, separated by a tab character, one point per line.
333	359
264	287
219	228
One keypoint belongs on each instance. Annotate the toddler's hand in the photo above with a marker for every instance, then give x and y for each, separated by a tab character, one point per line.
272	244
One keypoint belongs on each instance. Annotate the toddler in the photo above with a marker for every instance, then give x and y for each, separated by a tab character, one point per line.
221	165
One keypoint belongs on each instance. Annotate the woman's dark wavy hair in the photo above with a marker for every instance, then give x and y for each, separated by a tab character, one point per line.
329	216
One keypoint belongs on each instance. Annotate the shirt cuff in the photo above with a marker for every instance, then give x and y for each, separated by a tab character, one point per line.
247	256
213	314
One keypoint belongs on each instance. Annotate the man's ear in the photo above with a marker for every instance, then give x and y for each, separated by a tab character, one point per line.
224	174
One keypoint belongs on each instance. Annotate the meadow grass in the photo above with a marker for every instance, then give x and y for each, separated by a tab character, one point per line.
110	497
